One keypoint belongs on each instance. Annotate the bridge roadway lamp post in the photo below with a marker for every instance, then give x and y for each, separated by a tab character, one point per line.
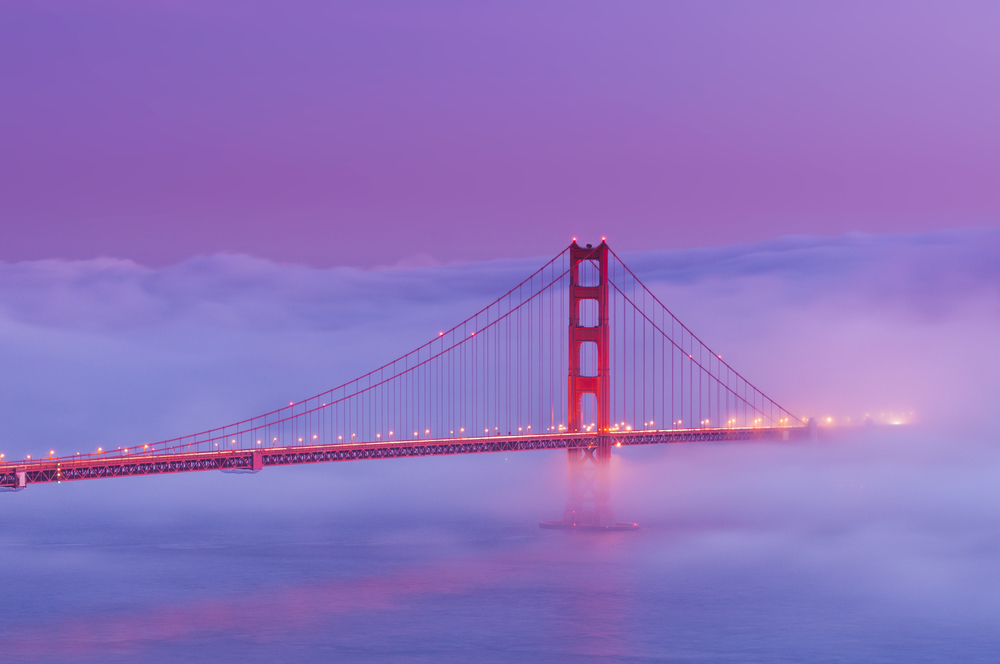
588	506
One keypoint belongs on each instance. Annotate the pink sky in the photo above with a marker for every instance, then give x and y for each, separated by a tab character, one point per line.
374	133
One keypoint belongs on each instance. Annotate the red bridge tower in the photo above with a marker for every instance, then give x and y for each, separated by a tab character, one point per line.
589	503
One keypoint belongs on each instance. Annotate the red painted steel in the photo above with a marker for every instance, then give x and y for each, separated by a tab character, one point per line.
589	501
82	468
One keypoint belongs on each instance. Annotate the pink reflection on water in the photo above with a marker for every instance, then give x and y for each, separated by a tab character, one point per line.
593	604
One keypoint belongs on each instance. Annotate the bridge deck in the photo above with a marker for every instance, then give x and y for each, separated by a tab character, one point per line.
115	464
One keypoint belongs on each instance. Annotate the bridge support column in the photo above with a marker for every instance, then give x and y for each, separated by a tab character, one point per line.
589	502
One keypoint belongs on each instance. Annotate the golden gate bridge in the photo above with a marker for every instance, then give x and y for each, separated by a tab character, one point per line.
580	356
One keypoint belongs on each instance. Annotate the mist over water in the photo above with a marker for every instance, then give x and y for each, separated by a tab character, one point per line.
875	543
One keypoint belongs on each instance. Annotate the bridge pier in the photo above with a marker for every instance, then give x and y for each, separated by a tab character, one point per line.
812	433
589	502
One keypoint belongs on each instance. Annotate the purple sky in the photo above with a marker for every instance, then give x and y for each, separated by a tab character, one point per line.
331	134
